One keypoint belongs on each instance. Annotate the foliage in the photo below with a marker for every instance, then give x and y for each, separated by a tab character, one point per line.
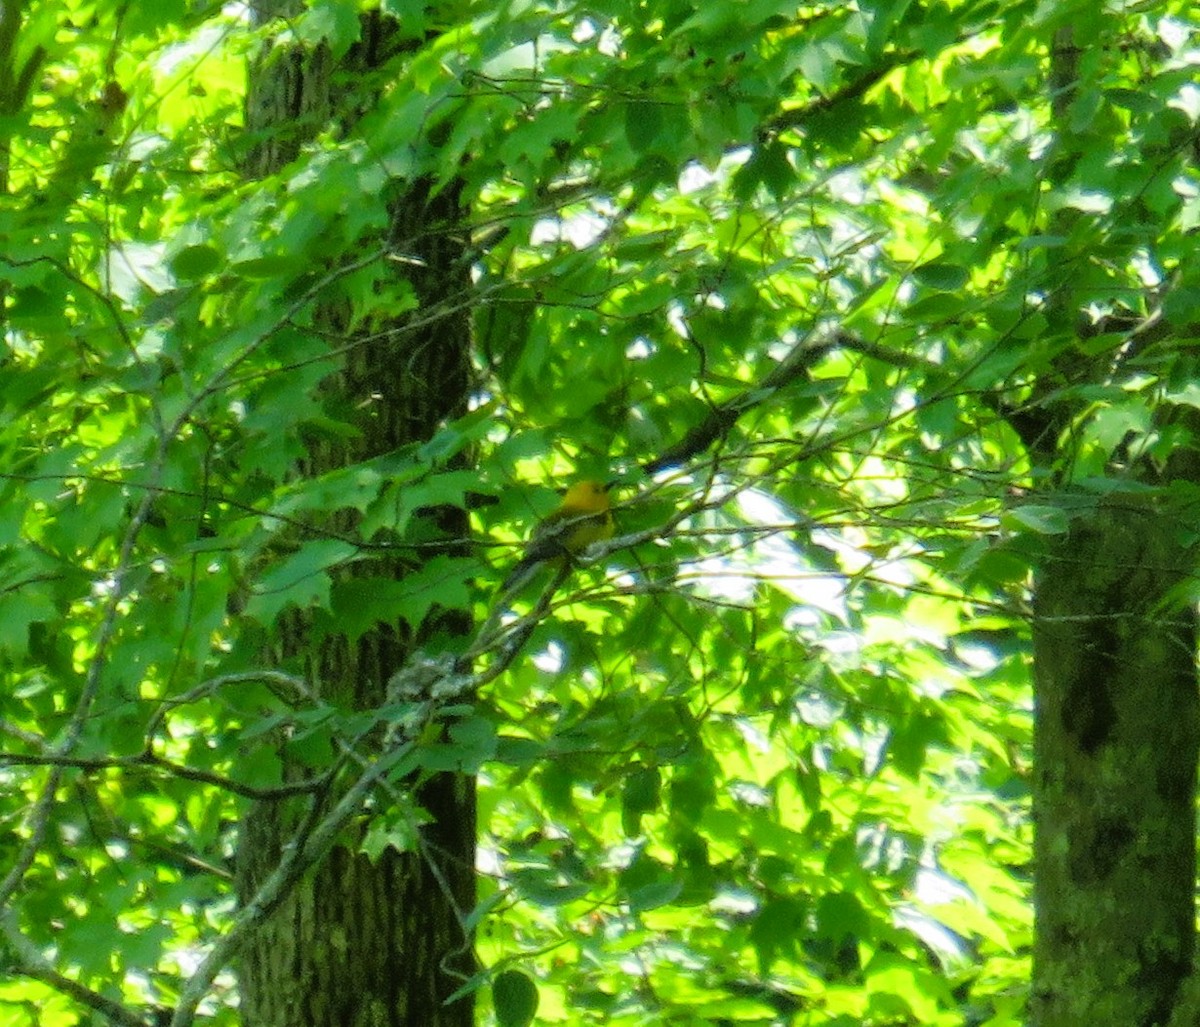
766	760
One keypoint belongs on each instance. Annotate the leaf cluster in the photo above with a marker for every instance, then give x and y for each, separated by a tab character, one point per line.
765	757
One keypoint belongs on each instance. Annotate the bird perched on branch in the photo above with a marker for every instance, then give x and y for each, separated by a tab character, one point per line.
583	517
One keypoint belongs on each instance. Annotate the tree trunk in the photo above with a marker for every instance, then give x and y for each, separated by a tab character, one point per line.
1116	741
1116	729
362	943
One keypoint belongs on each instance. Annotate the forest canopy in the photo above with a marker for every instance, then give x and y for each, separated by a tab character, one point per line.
875	320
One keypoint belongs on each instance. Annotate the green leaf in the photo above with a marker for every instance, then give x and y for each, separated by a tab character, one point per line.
941	306
329	21
33	301
910	741
18	613
544	888
397	833
195	262
519	752
301	580
1044	520
643	125
410	15
777	930
653	895
267	267
941	276
899	986
768	166
841	916
515	996
472	743
1133	100
641	793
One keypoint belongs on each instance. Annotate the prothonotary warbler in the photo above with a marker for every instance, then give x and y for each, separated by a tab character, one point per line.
583	517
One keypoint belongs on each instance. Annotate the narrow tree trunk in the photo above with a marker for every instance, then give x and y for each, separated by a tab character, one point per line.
1116	741
363	943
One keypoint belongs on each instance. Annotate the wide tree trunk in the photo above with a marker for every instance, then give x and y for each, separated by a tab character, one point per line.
1116	728
360	942
1117	736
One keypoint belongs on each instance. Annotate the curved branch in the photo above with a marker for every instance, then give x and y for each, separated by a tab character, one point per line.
29	962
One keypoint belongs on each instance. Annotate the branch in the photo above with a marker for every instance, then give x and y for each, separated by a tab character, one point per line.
799	361
11	14
38	819
797	116
154	761
276	680
299	855
29	962
24	83
492	634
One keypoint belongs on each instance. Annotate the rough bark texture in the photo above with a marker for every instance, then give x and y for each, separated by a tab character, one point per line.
1116	729
361	943
1117	736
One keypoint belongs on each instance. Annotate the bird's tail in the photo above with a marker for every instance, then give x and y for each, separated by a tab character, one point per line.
522	573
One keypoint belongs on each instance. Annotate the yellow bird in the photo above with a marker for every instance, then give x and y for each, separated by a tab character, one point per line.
583	517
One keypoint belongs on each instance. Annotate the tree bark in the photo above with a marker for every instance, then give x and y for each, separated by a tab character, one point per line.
1117	709
362	943
1116	742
